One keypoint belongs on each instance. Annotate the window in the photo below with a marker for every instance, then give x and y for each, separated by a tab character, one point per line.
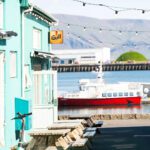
13	64
120	94
126	94
138	94
1	14
27	78
131	93
114	94
37	38
109	94
103	94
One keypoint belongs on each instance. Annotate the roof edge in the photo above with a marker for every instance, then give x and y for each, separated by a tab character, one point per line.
46	15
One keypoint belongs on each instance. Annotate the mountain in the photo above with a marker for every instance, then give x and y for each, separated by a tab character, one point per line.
113	34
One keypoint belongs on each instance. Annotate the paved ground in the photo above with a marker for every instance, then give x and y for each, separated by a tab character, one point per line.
123	135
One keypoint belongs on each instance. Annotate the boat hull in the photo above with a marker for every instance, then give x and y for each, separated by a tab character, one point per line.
98	101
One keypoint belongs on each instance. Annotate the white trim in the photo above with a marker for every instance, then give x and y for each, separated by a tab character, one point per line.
2	139
37	38
27	78
1	15
13	64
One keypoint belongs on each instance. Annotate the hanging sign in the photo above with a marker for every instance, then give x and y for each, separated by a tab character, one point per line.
56	37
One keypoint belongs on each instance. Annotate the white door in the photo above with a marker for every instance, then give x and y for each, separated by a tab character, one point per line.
2	99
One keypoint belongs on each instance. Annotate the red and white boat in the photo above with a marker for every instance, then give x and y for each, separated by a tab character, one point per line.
96	92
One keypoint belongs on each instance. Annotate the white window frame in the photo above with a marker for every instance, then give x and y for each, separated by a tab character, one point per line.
27	77
37	38
1	14
13	64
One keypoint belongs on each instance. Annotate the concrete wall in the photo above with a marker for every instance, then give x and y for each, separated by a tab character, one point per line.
107	117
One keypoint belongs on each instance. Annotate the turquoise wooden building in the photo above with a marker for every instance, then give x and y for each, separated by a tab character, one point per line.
27	82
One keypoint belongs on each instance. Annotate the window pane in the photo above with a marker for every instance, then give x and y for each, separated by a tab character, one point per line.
27	78
120	94
13	64
1	15
109	94
126	94
131	93
103	94
115	94
36	39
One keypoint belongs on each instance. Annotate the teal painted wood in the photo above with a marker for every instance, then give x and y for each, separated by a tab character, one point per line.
24	3
13	22
31	23
12	85
22	106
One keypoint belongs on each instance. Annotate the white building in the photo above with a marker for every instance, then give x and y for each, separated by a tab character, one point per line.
82	56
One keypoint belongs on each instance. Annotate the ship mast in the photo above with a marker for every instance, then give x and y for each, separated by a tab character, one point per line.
100	71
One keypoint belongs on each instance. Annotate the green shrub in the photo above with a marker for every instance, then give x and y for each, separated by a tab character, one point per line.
132	56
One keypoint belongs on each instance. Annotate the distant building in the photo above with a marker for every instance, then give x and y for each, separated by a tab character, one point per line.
82	56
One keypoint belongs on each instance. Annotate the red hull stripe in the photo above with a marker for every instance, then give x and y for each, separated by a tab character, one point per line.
98	101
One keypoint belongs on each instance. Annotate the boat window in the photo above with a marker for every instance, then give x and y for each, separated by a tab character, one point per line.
120	94
103	94
126	94
109	94
115	94
131	93
138	93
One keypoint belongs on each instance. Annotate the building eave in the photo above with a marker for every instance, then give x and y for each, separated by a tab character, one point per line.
39	12
42	54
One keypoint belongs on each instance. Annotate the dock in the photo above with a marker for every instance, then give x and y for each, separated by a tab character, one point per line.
105	67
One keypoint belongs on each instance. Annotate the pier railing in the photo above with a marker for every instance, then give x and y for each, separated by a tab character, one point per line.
105	67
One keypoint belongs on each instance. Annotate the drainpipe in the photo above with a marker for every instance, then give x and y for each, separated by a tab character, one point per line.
23	46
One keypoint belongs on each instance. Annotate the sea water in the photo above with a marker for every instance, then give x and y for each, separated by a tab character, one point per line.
69	81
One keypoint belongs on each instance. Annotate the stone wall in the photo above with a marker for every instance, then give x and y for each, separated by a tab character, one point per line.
108	117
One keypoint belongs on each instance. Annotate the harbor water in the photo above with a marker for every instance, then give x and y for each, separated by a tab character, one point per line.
69	81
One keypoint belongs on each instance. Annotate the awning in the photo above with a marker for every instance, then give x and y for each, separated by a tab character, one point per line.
42	54
7	34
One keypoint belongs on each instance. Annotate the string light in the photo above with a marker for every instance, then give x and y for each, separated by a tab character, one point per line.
116	11
68	26
84	29
143	11
102	43
38	17
120	32
104	29
84	4
100	30
113	8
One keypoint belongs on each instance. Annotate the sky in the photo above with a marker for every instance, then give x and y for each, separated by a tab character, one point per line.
74	8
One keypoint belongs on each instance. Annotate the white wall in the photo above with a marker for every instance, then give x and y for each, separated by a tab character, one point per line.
77	54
